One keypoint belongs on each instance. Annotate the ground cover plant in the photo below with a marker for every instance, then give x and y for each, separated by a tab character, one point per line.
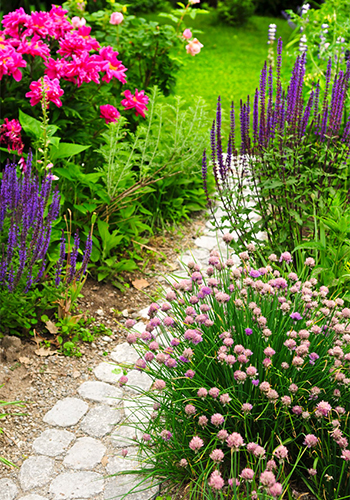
250	370
295	152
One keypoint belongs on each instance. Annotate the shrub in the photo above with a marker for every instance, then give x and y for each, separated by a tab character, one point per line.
235	11
292	160
250	370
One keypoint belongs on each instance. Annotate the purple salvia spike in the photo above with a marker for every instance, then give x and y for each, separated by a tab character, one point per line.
213	153
218	140
262	92
232	126
256	117
73	258
205	176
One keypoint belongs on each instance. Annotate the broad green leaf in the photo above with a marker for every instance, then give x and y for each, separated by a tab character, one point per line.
66	150
30	125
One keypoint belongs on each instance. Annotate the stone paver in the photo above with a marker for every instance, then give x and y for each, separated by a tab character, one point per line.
76	485
8	489
208	242
66	412
108	372
100	392
53	442
36	472
125	354
124	436
100	421
33	496
139	380
85	454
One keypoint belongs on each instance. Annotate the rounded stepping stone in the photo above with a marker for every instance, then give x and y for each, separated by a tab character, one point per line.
8	489
100	392
85	454
138	380
206	242
118	486
107	372
76	485
100	421
138	410
53	442
124	353
33	496
125	436
66	412
35	472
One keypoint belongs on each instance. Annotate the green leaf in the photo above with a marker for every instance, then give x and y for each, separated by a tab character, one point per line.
30	125
66	150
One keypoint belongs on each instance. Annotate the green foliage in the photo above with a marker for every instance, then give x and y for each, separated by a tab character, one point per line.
326	28
235	12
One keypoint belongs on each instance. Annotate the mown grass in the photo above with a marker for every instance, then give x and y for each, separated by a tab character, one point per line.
230	62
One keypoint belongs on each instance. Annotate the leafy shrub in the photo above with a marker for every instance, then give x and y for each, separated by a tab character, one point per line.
147	6
324	33
293	159
250	370
235	11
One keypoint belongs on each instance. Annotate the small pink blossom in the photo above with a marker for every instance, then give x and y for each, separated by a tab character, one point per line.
196	443
217	419
52	90
267	478
235	441
216	481
190	410
137	101
217	455
202	421
310	440
159	385
247	474
109	113
187	34
194	47
78	22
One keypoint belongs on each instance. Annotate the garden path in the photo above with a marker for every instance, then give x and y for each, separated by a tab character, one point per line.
83	438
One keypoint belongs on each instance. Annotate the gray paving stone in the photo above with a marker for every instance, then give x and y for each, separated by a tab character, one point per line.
33	496
36	472
139	327
124	436
121	485
100	392
76	485
86	453
108	372
138	409
66	412
53	442
8	489
206	242
143	313
100	421
199	254
138	379
124	353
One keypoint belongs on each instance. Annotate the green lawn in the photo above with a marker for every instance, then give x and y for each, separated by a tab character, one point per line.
230	62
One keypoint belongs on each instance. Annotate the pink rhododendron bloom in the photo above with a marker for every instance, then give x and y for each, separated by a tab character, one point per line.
187	34
194	47
52	90
14	21
34	47
10	62
116	18
10	135
109	113
78	22
137	101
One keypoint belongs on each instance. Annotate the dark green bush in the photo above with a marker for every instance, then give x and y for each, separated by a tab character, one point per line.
235	11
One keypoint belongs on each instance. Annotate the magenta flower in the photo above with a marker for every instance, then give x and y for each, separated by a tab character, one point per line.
159	385
296	316
109	113
248	331
10	135
123	380
137	101
10	62
187	34
34	47
322	409
14	21
286	257
166	435
190	374
52	90
112	66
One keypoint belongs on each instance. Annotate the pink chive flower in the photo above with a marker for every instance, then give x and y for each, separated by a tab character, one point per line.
217	419
281	452
222	435
216	481
235	441
202	392
52	91
225	399
310	440
217	455
246	407
109	113
124	452
194	47
116	18
137	101
202	421
286	257
267	478
345	455
146	437
214	392
123	380
247	474
78	22
322	409
190	410
166	435
276	490
190	374
159	385
187	34
196	443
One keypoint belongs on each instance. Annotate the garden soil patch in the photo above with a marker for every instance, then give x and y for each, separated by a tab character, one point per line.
39	377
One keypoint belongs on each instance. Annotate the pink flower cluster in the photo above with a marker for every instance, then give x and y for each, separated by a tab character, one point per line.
81	58
10	135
